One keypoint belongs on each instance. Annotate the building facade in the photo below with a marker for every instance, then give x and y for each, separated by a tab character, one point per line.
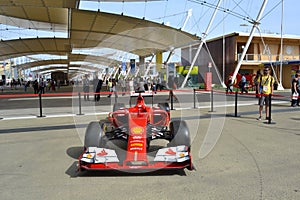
226	51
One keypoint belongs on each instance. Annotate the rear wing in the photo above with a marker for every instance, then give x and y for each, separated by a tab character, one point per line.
142	93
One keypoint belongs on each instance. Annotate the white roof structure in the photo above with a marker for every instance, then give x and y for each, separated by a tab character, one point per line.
83	29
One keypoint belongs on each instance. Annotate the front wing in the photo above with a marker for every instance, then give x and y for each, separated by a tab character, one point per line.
107	159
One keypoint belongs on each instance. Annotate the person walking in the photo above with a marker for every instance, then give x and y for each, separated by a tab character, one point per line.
42	86
154	85
27	84
243	84
172	86
113	89
159	84
86	88
298	87
295	91
35	87
95	83
98	89
266	87
229	85
1	85
256	78
109	87
123	85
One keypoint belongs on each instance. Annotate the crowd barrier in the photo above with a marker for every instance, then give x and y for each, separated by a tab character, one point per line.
195	92
236	93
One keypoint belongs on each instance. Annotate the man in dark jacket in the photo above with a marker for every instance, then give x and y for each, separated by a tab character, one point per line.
97	86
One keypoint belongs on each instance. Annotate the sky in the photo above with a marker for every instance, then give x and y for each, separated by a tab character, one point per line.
174	12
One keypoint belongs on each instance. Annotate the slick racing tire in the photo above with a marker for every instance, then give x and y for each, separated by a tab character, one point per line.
117	106
93	135
180	133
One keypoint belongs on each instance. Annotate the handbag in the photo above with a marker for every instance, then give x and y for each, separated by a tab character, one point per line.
295	96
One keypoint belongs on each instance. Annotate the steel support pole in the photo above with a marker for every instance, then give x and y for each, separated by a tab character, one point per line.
203	39
255	24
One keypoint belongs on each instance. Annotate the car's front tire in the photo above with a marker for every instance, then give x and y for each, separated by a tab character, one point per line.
93	135
180	133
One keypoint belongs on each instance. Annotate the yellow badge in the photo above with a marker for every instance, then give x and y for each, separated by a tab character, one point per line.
137	130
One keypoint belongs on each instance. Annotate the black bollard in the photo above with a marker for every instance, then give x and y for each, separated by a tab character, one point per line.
211	101
270	109
171	100
40	102
236	104
79	103
270	105
194	98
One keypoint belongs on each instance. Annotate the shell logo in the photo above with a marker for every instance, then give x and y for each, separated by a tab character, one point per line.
137	130
89	156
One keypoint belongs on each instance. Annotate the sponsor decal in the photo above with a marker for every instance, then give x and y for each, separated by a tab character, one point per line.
137	137
181	154
170	152
136	144
136	141
102	153
136	149
137	130
89	155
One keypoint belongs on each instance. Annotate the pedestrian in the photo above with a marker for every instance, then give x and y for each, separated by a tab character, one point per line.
146	84
113	89
298	100
98	89
58	84
1	85
159	84
53	85
295	91
123	85
95	83
229	85
172	86
154	85
266	87
109	87
256	78
27	84
86	88
243	84
131	85
42	86
35	86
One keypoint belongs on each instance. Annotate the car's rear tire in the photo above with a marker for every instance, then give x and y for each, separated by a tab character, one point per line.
93	135
180	133
117	106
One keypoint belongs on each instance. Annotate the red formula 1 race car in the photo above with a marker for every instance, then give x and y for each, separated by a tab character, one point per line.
123	140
